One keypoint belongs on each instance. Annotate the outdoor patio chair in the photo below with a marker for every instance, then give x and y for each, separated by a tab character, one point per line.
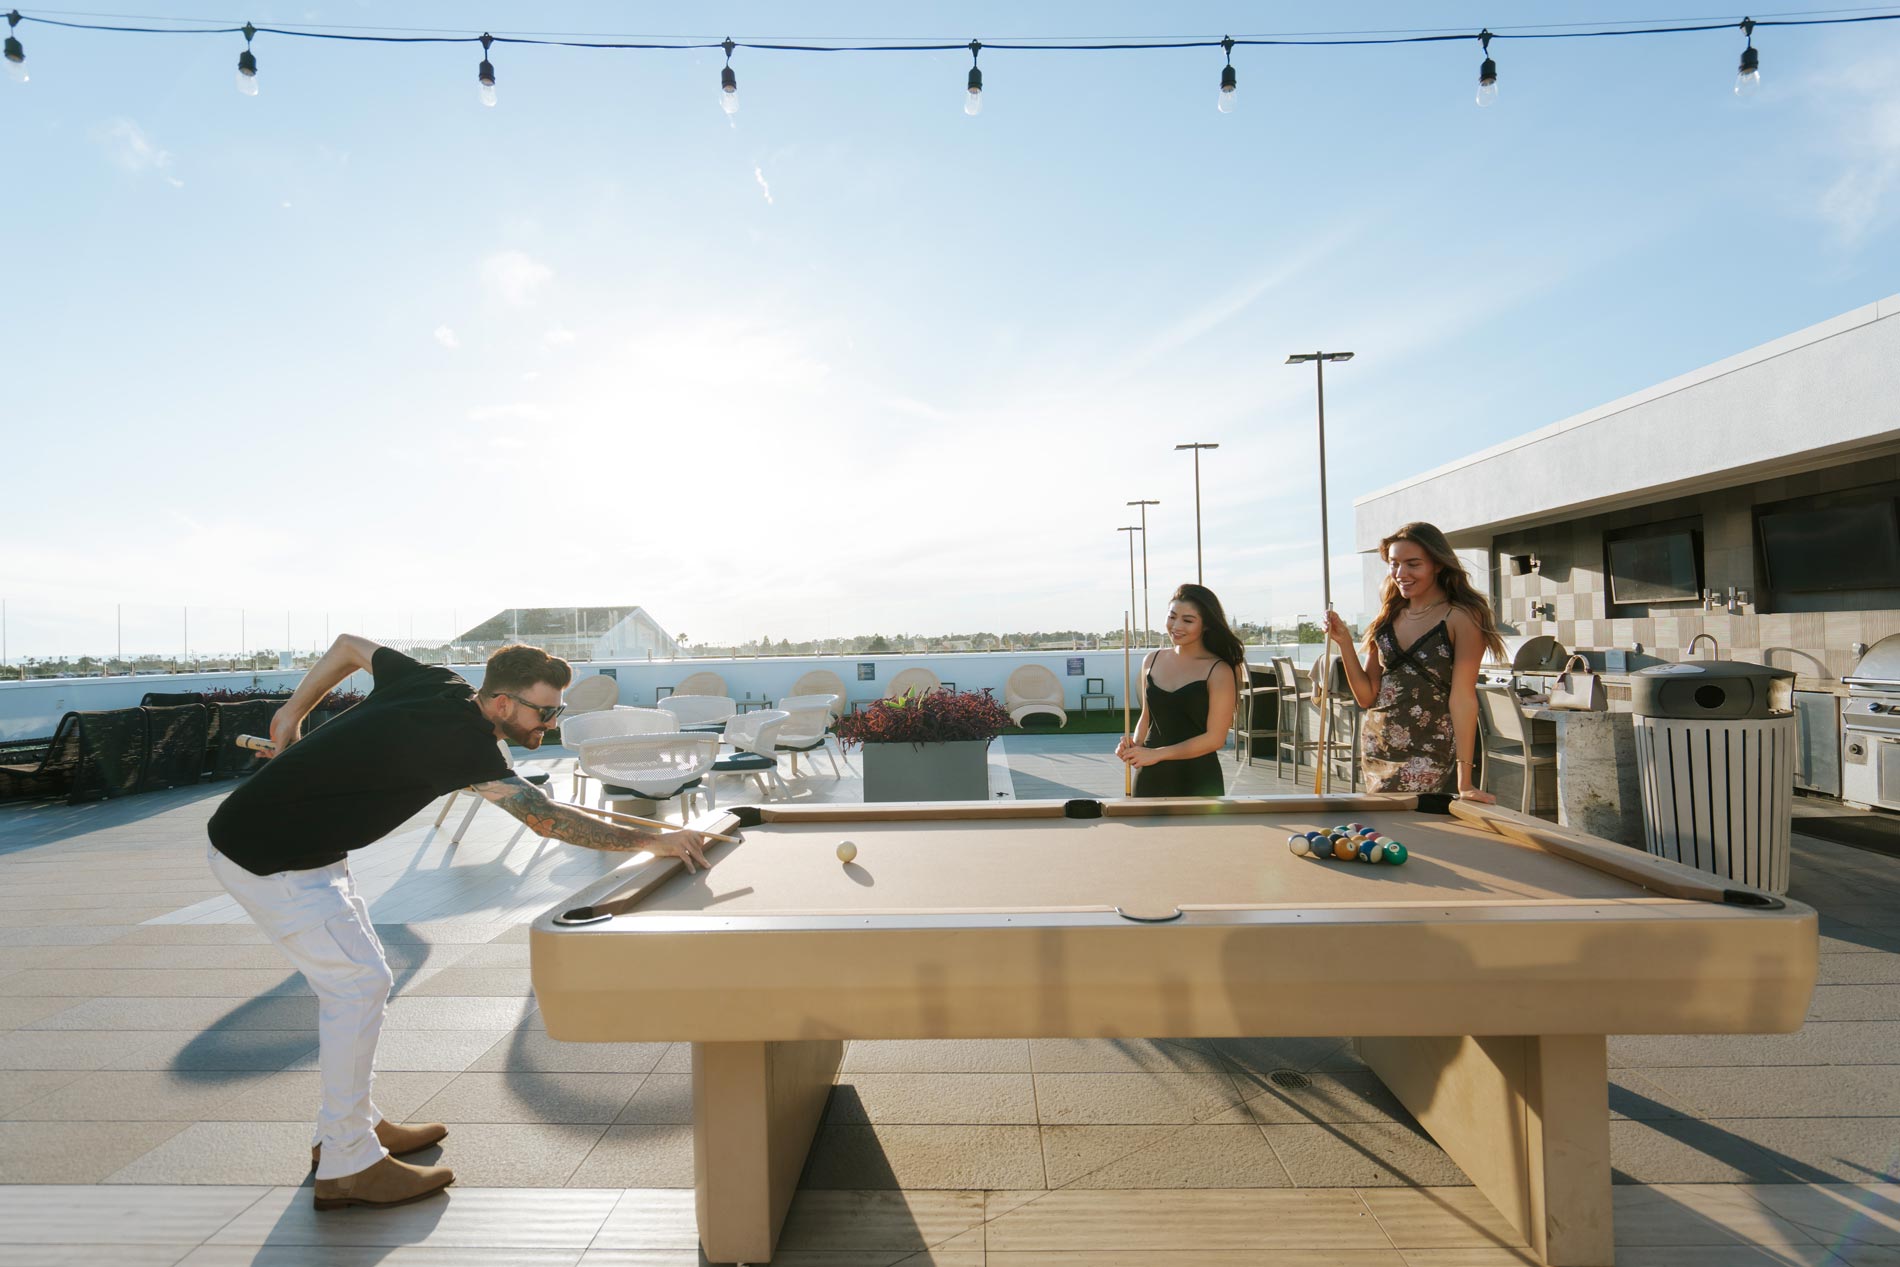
174	746
1256	716
649	769
709	711
808	728
609	723
1343	716
920	680
702	683
753	738
1033	691
1508	736
1293	700
51	771
822	682
591	695
223	758
539	779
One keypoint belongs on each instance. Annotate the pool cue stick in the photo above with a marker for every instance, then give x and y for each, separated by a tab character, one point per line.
1128	727
644	822
255	743
1320	675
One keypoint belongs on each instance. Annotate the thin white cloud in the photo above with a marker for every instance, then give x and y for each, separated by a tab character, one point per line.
446	337
558	336
126	144
758	174
514	277
510	413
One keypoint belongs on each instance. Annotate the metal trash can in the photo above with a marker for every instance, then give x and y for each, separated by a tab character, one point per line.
1715	752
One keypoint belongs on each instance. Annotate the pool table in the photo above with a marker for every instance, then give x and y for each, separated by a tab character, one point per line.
1481	977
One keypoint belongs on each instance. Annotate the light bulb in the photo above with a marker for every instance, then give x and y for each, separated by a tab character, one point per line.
1226	102
973	101
247	84
729	100
16	71
1488	83
488	94
485	76
1748	74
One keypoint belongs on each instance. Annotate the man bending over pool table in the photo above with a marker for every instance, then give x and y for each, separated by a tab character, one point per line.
280	846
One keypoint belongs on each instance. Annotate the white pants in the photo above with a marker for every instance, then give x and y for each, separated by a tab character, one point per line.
323	927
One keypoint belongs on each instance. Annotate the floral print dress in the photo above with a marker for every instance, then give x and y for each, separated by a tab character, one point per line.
1407	733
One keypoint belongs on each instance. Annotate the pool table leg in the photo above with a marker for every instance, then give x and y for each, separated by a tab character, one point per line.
1528	1119
756	1107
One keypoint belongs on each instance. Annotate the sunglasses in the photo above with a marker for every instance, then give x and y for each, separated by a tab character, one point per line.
546	712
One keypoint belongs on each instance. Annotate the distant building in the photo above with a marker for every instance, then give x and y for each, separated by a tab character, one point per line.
576	633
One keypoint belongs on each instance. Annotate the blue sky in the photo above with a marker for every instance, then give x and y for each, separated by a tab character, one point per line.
850	360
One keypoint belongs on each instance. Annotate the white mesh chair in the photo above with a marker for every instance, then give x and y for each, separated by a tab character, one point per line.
807	728
611	723
821	682
476	802
648	769
753	738
700	710
920	680
701	683
1031	691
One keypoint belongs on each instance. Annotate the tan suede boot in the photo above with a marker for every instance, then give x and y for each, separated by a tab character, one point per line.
399	1140
388	1182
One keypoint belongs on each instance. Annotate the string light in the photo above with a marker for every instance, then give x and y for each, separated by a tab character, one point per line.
1747	81
1748	74
728	82
247	64
16	52
1487	73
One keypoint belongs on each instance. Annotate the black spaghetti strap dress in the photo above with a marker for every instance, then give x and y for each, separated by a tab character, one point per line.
1175	716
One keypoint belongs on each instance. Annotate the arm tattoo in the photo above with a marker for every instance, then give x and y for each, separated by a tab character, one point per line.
546	817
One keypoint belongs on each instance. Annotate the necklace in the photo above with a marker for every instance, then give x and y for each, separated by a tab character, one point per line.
1423	612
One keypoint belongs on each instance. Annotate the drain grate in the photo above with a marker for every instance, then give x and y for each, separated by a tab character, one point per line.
1288	1080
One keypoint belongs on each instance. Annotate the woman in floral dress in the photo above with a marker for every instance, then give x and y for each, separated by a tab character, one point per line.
1419	681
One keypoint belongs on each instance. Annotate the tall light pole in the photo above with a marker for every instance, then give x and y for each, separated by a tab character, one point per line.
1131	530
1199	578
1146	628
1319	360
1320	666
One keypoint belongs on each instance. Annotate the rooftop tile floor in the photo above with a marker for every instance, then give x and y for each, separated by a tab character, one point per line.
157	1078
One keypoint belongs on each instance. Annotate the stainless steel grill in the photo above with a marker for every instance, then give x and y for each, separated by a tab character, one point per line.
1870	728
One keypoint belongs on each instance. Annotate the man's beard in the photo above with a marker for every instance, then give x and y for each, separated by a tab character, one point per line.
529	738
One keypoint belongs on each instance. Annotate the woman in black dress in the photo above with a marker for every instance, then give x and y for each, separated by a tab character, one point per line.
1187	701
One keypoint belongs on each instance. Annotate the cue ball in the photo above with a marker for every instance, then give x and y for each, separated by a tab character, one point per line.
846	851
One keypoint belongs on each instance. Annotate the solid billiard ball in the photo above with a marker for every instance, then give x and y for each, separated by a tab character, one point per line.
1343	850
1395	853
846	851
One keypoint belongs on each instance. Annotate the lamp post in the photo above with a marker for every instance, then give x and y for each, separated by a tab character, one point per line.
1131	530
1146	628
1197	446
1319	360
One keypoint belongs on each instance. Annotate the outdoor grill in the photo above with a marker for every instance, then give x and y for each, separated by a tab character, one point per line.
1870	728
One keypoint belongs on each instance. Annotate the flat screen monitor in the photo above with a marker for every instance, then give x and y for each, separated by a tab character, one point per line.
1818	549
1654	569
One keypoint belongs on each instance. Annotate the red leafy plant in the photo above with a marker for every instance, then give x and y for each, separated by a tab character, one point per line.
939	717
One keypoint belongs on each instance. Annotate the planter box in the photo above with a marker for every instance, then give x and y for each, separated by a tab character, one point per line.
927	772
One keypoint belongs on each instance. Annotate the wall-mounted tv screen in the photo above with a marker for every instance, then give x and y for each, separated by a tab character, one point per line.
1813	550
1659	568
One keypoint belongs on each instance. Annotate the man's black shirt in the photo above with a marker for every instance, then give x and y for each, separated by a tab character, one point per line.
357	778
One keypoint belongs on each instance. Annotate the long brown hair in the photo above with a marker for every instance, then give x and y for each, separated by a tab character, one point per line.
1452	579
1216	636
